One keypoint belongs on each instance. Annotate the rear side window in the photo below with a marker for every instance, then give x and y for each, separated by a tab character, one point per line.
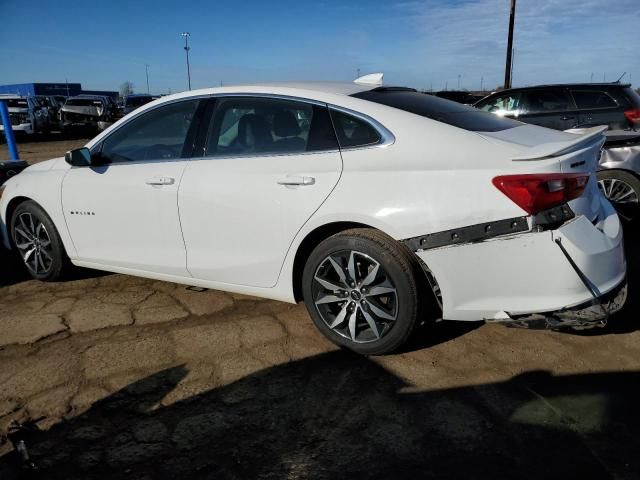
544	101
439	109
352	131
632	96
586	99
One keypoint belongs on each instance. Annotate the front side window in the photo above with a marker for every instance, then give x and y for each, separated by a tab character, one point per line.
158	134
588	100
251	126
504	105
352	131
544	101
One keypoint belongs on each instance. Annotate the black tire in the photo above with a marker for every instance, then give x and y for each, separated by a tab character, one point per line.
49	259
397	269
629	209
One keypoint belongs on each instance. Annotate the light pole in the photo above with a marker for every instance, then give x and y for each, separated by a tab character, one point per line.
186	49
508	70
146	70
458	81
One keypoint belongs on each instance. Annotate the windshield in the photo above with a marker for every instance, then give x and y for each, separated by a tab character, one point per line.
438	109
15	102
83	102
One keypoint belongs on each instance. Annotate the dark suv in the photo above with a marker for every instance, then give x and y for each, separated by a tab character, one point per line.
569	106
564	107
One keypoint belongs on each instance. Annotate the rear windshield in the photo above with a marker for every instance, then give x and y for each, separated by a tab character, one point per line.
83	102
15	102
633	96
439	109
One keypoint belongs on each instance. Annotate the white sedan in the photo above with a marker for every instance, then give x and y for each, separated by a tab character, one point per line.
380	207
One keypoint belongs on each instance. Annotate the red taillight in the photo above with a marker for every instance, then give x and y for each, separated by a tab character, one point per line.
633	116
537	192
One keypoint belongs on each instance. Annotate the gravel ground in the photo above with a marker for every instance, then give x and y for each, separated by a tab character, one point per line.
113	376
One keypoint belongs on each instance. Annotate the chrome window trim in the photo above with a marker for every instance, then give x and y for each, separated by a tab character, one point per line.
386	137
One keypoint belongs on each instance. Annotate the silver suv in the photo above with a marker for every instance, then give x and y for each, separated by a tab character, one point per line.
26	114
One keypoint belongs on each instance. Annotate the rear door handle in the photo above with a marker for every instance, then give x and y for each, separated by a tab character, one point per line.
293	180
567	118
160	181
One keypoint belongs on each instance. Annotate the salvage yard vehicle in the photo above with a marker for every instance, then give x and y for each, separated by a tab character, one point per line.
584	105
375	205
133	101
92	112
27	116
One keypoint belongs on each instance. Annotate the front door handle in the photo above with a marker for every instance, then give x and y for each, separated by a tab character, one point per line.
293	180
160	181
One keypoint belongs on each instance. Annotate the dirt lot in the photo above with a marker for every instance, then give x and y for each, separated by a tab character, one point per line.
120	377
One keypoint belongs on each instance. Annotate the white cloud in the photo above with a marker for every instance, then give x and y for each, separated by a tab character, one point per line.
555	40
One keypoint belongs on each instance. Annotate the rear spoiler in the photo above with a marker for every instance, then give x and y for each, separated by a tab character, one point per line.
588	137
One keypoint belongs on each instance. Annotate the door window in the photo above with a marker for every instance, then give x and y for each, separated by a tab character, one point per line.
545	101
504	105
589	100
158	134
252	126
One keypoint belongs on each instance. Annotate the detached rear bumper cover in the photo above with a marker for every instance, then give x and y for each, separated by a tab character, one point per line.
527	273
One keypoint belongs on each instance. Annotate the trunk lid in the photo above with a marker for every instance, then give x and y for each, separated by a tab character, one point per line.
564	152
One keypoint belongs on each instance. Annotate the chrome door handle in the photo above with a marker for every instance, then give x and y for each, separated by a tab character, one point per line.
160	181
292	180
567	118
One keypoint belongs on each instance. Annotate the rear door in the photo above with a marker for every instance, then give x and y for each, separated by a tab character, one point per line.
597	107
549	107
266	165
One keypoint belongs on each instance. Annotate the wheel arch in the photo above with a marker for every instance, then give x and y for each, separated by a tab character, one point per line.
310	241
11	207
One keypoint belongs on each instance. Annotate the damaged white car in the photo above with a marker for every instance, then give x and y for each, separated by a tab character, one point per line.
375	205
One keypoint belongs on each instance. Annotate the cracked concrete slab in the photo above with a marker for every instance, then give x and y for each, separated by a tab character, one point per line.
29	328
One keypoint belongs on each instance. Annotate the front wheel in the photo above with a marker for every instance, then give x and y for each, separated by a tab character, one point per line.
38	242
361	291
623	191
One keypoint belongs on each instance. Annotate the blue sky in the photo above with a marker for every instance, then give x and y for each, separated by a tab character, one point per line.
422	43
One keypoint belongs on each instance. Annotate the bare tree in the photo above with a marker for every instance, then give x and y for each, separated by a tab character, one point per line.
126	88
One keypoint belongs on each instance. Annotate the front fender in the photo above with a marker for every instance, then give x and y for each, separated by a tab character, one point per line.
42	184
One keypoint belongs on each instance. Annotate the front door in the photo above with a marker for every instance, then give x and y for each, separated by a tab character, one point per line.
124	213
268	164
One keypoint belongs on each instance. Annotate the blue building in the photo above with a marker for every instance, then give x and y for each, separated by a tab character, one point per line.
66	89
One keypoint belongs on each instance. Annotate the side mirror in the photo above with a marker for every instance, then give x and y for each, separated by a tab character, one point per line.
79	157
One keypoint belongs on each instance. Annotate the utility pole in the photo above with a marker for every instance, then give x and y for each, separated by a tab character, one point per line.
507	69
358	74
482	83
458	82
186	36
146	69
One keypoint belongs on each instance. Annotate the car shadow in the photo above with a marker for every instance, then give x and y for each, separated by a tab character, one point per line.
338	415
12	271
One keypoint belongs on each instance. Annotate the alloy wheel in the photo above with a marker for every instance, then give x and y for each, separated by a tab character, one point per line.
621	194
354	296
34	243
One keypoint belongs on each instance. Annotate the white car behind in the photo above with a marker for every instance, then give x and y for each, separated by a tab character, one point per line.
380	207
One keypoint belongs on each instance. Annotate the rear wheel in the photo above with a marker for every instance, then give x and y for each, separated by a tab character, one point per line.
623	191
38	242
361	291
